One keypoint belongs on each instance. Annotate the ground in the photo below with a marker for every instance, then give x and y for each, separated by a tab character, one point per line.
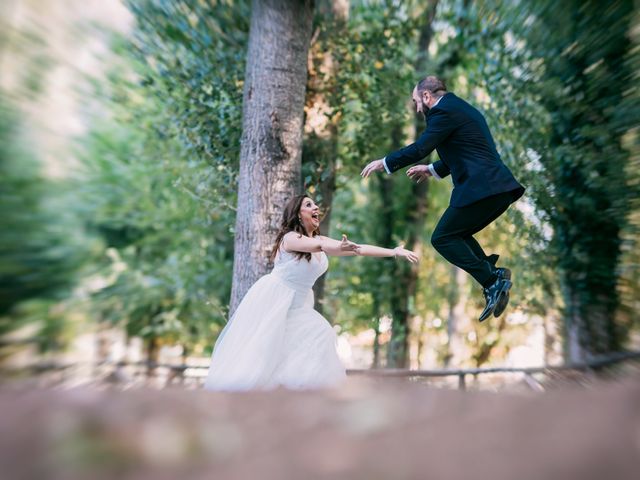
369	430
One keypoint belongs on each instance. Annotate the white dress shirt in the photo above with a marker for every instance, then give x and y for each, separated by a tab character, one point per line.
430	166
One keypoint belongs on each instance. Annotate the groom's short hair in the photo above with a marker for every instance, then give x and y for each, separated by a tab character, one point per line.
431	84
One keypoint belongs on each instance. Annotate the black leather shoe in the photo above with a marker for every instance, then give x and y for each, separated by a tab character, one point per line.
493	295
501	306
504	273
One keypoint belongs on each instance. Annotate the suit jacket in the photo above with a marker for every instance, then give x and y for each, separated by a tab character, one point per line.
461	136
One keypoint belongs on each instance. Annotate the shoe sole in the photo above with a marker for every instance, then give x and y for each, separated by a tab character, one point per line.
486	314
501	306
503	299
504	290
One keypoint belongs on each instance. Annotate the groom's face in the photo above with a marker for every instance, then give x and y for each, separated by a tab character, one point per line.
419	102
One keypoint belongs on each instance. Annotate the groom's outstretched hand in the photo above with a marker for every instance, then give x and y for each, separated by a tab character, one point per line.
375	166
419	173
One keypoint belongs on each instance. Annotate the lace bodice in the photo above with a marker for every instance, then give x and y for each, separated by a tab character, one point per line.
298	272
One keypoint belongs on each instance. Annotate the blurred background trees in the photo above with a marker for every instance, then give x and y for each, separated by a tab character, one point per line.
135	232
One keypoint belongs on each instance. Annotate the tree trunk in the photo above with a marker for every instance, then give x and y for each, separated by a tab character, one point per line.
398	343
575	330
153	349
420	342
272	119
589	319
415	214
588	217
456	314
485	347
376	330
326	188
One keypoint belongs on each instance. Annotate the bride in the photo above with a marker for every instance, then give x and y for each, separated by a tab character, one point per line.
275	337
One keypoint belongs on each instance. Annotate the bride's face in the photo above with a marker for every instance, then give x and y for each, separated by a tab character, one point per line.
309	214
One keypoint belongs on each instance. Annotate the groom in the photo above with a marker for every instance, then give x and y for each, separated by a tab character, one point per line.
483	187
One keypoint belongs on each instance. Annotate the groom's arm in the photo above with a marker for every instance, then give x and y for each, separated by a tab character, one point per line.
439	169
438	129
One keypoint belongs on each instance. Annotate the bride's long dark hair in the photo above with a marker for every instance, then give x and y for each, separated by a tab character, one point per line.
291	223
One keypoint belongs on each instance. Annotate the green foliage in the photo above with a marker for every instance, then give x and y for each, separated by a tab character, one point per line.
166	247
376	78
159	197
161	172
41	245
559	77
376	57
194	53
592	108
557	83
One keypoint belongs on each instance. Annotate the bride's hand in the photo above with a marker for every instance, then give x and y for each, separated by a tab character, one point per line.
400	251
348	246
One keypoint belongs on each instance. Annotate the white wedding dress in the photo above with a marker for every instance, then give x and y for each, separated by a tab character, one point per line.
275	337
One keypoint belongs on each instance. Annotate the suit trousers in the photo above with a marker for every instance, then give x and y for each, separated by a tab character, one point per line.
453	236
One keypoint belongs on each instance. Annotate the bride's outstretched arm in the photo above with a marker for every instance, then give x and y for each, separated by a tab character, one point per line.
294	242
400	251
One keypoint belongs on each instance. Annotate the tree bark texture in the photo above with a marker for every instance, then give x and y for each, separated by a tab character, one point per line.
272	119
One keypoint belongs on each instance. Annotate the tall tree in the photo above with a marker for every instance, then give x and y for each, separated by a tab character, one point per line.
560	82
586	90
272	120
319	156
411	215
476	56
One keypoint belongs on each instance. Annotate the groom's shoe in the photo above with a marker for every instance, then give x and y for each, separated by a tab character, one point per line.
505	274
493	295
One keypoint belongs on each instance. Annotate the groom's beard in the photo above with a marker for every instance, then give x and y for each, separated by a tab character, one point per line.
425	108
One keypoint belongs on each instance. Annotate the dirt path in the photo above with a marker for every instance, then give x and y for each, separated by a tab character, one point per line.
368	431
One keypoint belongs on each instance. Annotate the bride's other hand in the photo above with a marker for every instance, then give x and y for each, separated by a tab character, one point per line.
348	246
400	251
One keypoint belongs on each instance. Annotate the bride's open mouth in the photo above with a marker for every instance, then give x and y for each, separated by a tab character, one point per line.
315	217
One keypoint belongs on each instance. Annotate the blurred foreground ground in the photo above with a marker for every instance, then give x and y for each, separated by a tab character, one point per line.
369	430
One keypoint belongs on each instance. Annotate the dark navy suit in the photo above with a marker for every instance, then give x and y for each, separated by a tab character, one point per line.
483	187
